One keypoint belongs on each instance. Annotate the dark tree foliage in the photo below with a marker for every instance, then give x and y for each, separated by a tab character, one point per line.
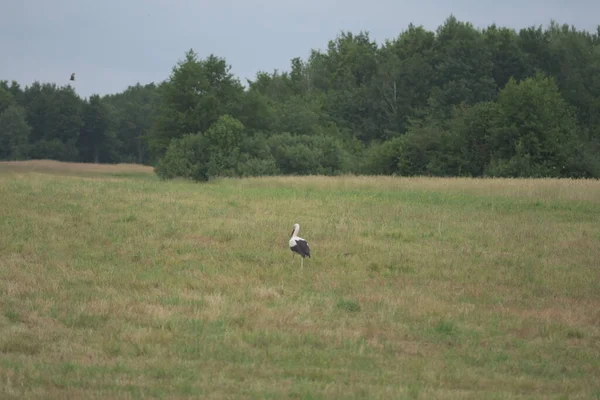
195	96
130	121
14	133
96	142
55	117
457	101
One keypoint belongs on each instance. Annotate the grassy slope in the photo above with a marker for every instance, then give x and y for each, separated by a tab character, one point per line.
127	287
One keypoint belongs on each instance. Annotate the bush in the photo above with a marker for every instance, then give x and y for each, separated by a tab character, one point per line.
53	149
310	155
420	151
222	151
252	166
185	157
381	158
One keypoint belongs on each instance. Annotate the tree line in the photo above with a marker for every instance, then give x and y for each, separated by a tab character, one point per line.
458	101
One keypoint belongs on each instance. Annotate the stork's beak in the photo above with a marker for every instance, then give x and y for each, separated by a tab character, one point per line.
291	234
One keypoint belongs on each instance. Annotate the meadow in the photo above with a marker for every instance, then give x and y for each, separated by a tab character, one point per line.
114	284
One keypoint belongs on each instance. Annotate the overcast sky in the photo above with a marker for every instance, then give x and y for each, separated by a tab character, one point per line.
111	44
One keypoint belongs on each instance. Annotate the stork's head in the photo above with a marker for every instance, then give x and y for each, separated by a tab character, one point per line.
296	229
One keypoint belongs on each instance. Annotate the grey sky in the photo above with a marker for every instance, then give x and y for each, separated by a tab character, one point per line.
111	44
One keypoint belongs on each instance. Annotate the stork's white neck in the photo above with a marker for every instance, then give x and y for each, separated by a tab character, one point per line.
296	230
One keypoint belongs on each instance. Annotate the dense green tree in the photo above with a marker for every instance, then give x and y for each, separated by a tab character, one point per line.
575	69
6	99
197	93
276	86
14	89
300	77
256	112
508	57
466	146
223	141
131	114
14	133
351	64
55	116
536	132
403	81
299	114
463	68
96	142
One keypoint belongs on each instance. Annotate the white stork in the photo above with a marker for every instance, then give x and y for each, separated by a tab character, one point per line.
299	245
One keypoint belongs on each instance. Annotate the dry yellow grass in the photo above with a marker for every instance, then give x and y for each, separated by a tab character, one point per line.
547	189
427	288
51	166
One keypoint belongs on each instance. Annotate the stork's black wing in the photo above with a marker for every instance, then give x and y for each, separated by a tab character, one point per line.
302	248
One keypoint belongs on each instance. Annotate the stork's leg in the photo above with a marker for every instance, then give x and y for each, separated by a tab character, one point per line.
301	263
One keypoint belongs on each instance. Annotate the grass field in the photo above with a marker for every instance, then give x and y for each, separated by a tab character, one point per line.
117	285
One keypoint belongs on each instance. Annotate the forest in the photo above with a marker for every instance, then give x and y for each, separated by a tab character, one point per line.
457	101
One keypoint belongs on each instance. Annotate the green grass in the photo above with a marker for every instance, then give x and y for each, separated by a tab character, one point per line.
116	285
